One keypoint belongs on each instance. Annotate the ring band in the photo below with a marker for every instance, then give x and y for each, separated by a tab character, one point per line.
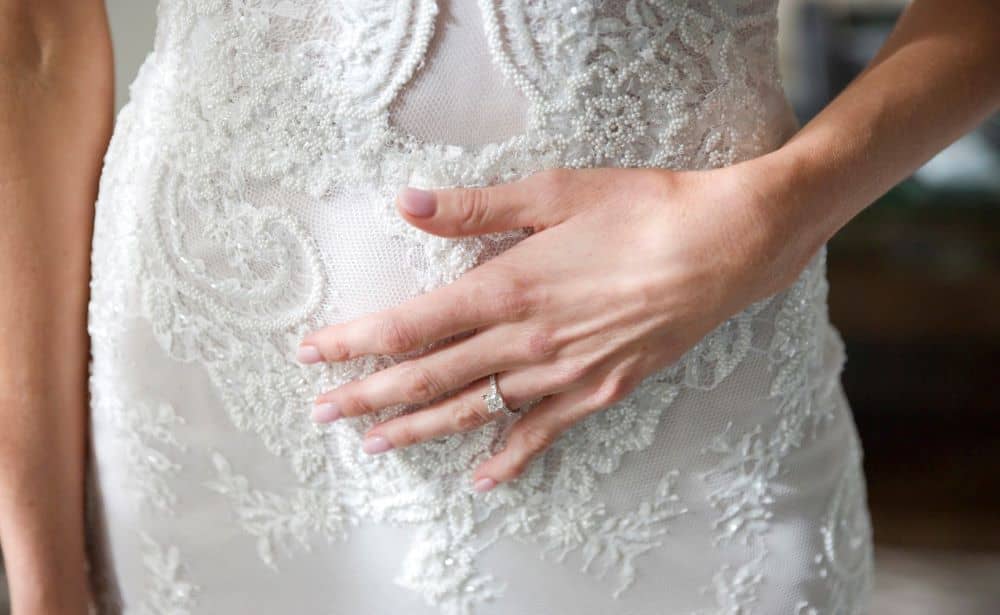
494	400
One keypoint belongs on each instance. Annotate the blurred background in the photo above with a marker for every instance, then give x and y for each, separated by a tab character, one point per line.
915	292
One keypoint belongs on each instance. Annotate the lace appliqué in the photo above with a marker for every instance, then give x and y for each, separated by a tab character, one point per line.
146	433
742	482
296	95
750	461
735	588
441	564
277	520
169	593
142	426
844	566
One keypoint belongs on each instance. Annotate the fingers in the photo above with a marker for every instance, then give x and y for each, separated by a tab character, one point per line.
463	412
467	410
539	428
481	297
529	436
532	435
424	378
535	201
568	394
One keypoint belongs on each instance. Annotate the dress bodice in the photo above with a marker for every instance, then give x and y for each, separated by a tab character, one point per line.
303	101
352	88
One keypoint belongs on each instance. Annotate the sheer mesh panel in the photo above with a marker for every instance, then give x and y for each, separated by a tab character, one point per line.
366	266
459	96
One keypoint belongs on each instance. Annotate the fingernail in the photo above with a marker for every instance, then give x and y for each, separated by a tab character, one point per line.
325	412
308	354
418	203
374	445
484	484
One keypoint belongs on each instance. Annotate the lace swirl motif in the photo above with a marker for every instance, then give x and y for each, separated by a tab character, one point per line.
296	94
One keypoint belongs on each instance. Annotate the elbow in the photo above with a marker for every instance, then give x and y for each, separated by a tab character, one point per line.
42	40
22	44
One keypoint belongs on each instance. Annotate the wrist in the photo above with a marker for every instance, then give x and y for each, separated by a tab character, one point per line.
790	194
780	218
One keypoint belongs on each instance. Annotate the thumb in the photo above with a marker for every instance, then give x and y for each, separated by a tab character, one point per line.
457	212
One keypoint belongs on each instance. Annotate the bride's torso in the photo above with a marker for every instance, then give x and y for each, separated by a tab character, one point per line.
248	197
328	107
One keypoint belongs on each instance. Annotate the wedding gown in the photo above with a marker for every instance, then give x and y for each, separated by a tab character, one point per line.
247	198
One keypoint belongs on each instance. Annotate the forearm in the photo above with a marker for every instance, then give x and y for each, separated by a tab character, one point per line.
55	115
937	76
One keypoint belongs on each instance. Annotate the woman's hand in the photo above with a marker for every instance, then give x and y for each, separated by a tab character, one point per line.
626	270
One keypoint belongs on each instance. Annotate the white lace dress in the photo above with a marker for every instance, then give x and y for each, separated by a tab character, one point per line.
247	198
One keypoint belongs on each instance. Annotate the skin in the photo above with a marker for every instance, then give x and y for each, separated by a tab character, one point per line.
55	70
700	246
627	269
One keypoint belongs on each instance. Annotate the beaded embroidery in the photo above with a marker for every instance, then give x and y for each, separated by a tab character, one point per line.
296	94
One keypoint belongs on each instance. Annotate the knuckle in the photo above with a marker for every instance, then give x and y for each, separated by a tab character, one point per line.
336	350
611	391
571	372
533	440
329	344
555	182
477	297
514	468
393	336
553	188
512	297
354	405
472	207
405	435
541	344
468	301
418	383
467	416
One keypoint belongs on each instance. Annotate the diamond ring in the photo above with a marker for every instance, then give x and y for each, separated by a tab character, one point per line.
494	400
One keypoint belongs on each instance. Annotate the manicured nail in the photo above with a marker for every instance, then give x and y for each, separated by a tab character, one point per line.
325	412
308	354
418	203
484	484
374	445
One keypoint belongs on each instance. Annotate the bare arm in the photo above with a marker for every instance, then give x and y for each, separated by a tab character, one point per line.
936	77
56	87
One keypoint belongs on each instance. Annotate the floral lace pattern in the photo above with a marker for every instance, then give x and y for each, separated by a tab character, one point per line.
845	563
169	593
744	481
295	96
147	431
276	519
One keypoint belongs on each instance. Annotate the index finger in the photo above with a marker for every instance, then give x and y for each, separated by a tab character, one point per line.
474	300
